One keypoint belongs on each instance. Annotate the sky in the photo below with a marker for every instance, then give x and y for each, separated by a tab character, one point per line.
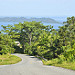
37	8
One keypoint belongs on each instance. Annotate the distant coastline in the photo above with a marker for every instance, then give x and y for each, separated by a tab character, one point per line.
54	21
22	19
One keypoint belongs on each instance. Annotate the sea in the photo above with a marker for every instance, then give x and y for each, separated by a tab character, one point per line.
55	25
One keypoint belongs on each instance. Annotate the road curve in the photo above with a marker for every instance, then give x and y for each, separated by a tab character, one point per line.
32	66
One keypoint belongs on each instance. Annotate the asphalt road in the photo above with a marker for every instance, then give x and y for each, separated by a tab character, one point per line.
32	66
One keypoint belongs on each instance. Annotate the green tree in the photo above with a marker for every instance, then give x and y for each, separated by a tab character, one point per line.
28	32
6	44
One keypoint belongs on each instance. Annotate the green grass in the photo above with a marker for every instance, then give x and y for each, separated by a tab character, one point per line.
65	64
9	59
59	63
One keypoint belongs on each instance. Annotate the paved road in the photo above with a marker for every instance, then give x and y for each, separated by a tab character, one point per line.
32	66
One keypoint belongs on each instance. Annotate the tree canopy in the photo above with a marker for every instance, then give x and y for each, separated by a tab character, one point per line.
37	39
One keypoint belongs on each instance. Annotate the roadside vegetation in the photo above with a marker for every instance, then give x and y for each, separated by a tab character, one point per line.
9	59
58	63
58	47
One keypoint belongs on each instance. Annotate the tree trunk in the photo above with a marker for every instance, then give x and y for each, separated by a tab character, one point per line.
30	38
23	47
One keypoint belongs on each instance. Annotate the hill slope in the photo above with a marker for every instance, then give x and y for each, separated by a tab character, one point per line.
21	19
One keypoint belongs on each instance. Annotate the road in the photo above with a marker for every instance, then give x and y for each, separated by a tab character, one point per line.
32	66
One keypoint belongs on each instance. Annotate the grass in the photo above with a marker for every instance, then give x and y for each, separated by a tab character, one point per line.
65	64
9	59
59	63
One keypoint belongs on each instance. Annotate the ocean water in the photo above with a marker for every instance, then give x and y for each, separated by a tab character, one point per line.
7	23
55	25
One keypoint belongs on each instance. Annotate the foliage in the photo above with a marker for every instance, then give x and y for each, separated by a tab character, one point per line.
56	62
66	45
6	44
44	41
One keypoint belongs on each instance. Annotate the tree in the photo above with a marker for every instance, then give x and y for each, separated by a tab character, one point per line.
28	32
6	44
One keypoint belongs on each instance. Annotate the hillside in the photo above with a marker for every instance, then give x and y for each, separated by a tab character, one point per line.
21	19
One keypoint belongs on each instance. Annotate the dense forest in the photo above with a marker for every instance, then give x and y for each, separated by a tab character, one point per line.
37	39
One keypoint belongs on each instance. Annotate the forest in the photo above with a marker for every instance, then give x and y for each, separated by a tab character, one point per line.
40	40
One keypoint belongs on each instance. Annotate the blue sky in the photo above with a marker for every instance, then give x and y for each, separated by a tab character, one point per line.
37	8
